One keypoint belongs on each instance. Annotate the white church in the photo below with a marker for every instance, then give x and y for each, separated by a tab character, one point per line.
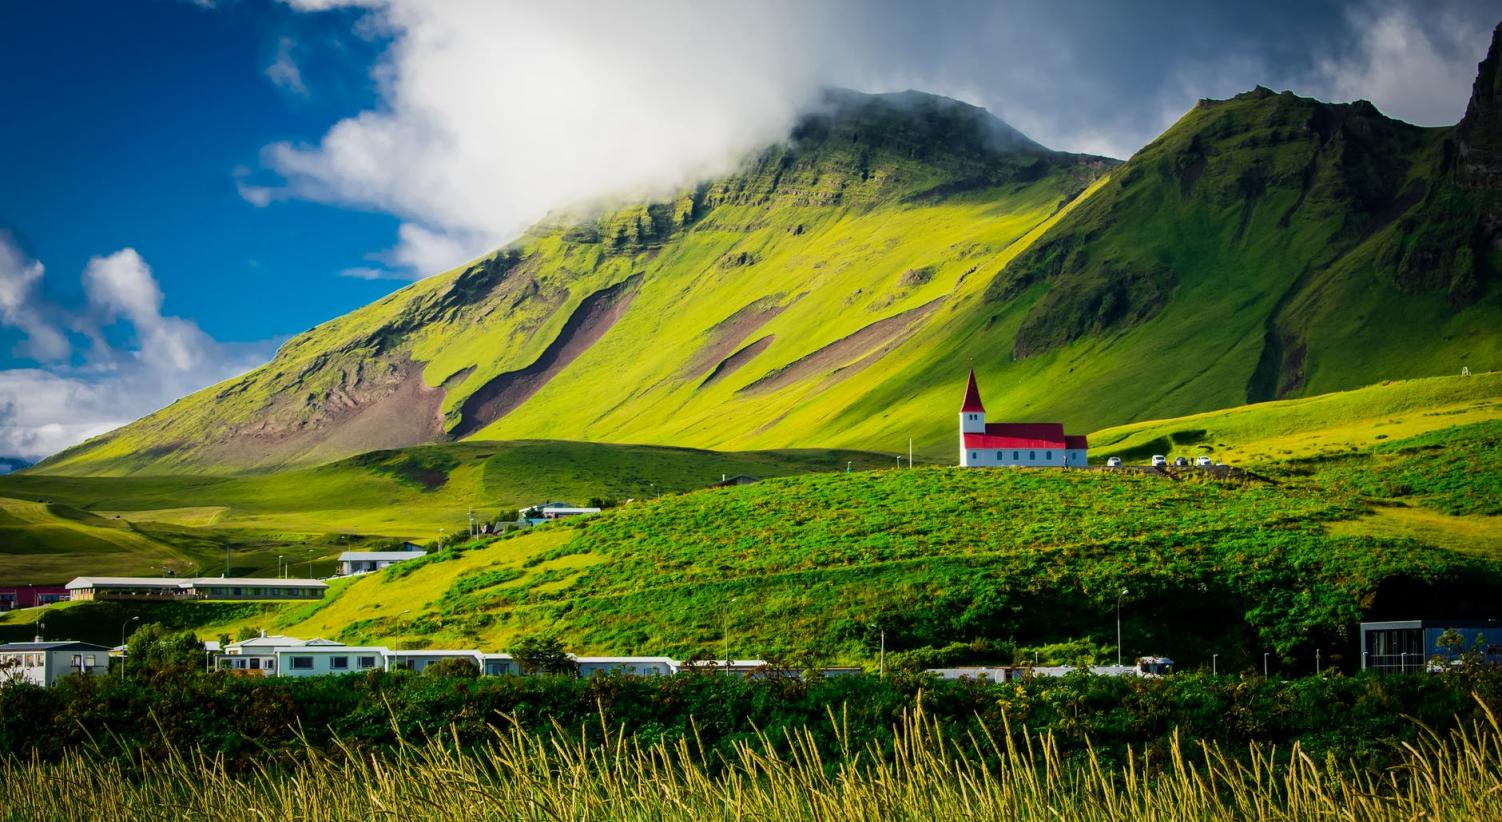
984	444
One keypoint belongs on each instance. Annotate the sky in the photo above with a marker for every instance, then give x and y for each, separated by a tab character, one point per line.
184	184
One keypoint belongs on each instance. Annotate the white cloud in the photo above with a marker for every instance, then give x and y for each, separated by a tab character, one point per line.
1409	68
283	71
44	411
496	113
22	307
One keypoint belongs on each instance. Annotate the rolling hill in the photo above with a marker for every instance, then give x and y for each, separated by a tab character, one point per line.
1377	503
53	528
833	292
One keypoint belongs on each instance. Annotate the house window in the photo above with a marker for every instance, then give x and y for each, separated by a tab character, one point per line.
1048	455
339	663
972	455
302	663
1015	456
89	660
367	662
1032	455
255	663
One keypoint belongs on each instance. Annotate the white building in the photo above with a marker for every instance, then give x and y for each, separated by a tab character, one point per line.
562	512
167	588
633	665
1035	444
360	562
43	663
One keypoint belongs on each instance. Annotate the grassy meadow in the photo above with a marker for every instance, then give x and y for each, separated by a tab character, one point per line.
53	528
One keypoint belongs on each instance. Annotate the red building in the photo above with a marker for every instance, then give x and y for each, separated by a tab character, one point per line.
30	596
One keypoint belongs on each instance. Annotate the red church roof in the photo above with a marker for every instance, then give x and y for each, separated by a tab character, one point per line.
1018	435
972	396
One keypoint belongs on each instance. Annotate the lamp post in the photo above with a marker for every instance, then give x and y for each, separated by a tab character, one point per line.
125	652
1264	665
1118	626
1403	663
310	563
727	633
1316	662
281	568
1214	664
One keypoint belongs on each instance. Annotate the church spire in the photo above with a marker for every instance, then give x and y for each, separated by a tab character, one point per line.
972	397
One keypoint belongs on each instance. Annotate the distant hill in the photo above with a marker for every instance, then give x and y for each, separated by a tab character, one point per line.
834	291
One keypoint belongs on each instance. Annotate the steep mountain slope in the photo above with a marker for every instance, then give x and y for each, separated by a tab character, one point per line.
834	292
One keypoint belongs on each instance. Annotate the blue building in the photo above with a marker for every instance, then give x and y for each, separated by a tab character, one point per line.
1406	646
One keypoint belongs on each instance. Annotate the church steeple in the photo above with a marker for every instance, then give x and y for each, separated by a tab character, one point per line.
972	396
972	413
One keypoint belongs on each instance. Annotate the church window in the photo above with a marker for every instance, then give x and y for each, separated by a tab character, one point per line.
1032	455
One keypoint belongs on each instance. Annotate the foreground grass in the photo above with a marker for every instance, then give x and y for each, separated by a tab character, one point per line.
922	775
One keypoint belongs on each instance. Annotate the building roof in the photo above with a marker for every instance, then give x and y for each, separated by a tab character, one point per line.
380	556
434	652
972	396
1076	441
1018	435
289	582
67	645
133	582
624	660
188	582
560	509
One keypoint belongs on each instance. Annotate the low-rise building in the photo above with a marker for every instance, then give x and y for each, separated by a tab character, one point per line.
209	588
563	512
31	596
633	665
362	562
43	663
417	660
1408	646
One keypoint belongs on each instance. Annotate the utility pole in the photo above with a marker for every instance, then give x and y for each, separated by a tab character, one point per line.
727	633
310	563
910	452
882	664
1118	626
226	559
471	522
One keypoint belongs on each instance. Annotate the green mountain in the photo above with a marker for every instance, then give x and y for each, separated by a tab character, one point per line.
833	292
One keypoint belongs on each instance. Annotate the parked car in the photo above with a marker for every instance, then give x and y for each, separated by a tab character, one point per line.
1203	462
1181	462
1114	462
1159	460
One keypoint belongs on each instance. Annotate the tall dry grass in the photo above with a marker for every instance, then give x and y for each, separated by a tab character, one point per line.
522	775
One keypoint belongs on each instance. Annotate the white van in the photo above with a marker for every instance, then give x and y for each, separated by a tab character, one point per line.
1159	461
1114	462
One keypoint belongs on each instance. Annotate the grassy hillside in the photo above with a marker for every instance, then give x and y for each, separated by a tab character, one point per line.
962	565
1323	425
53	528
834	291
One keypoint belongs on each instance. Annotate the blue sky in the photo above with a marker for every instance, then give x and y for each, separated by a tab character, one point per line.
188	183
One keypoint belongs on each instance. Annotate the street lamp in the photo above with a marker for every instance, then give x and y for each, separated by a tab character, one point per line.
281	569
1264	665
124	653
1214	664
727	633
1118	626
310	563
1316	662
882	660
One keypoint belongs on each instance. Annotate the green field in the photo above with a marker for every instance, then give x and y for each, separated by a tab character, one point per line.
53	528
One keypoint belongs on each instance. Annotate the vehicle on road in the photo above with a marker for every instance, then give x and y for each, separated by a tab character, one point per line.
1181	462
1159	460
1114	462
1203	462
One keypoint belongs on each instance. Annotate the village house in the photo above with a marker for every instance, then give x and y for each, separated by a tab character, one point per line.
361	562
205	588
31	596
633	665
1034	444
43	663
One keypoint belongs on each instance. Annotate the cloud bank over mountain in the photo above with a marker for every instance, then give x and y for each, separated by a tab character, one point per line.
495	114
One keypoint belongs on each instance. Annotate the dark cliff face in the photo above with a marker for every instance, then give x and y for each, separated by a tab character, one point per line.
1478	137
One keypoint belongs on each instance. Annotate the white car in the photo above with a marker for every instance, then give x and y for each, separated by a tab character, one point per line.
1114	462
1159	461
1203	462
1181	462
